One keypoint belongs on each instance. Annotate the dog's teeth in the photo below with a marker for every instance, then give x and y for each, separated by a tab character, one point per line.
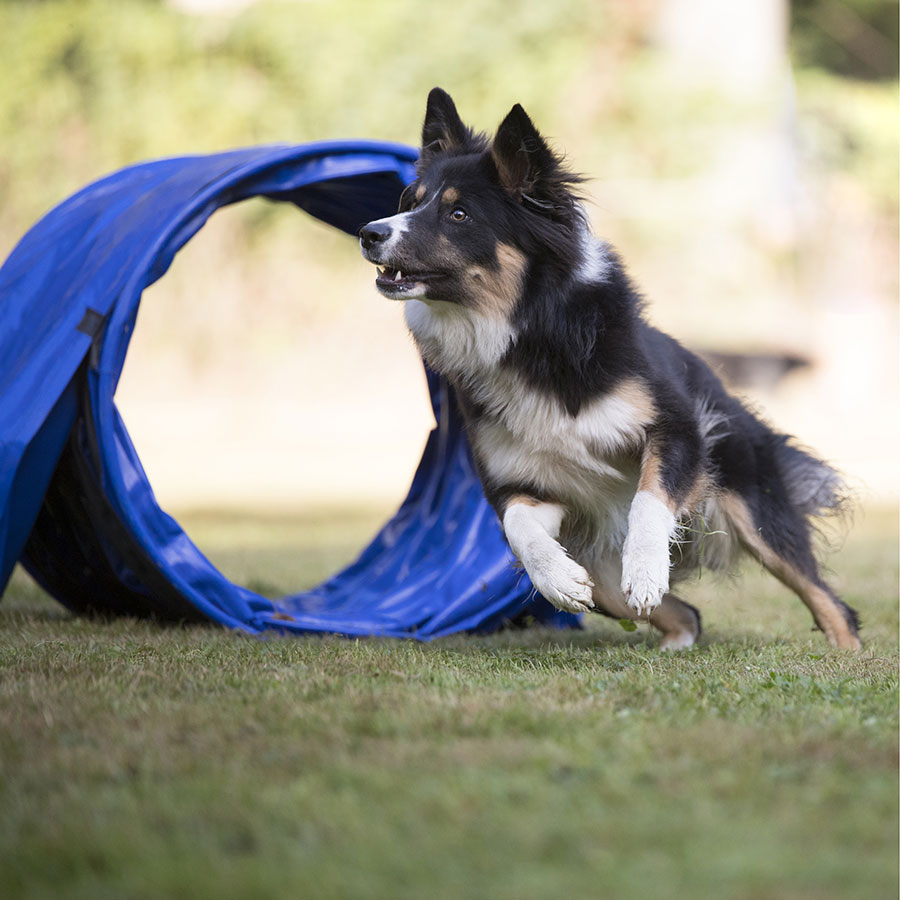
399	275
381	271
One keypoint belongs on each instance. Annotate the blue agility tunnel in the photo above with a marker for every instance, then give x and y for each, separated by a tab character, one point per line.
76	508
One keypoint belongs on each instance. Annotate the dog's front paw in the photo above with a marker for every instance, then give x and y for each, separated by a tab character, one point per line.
644	581
565	584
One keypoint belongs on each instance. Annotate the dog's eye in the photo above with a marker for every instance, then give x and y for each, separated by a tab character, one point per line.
458	214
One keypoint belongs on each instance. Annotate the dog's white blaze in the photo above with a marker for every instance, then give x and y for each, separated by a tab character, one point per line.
399	223
399	226
456	341
645	556
531	530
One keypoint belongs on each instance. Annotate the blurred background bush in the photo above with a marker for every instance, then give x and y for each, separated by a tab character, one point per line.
743	157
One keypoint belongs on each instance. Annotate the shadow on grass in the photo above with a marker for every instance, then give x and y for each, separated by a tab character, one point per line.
598	637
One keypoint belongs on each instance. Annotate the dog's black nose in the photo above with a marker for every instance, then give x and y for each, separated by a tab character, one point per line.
374	233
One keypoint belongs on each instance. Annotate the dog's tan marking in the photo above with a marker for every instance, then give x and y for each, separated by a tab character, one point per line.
636	393
676	620
650	479
524	499
451	195
447	254
825	612
679	623
420	193
496	291
510	276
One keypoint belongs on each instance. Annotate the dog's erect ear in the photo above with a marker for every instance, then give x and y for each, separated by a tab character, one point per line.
521	156
443	129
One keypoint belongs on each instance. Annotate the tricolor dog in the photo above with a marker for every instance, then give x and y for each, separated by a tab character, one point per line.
615	459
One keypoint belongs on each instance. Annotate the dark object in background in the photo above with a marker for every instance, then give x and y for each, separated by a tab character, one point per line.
761	371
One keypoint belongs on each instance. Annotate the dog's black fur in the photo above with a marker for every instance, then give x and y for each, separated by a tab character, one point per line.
614	457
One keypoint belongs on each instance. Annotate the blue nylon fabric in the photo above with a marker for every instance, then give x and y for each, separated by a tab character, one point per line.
75	504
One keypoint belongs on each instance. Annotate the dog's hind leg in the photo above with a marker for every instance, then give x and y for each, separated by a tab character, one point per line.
678	621
782	545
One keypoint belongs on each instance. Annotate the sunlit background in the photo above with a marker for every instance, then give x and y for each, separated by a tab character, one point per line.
743	158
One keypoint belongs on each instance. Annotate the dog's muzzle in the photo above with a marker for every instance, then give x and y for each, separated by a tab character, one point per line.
373	234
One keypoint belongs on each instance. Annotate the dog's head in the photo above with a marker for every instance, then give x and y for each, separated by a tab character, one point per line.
477	216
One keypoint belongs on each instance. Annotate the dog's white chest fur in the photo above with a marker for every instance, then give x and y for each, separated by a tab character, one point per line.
527	436
457	342
589	461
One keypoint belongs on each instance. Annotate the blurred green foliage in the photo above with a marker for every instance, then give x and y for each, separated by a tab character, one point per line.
857	38
850	127
89	86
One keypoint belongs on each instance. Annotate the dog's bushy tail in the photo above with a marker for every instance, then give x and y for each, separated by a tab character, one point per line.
815	488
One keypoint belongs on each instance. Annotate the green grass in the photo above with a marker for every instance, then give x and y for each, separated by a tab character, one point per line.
144	762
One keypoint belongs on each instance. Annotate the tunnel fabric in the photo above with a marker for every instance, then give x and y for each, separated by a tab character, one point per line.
76	507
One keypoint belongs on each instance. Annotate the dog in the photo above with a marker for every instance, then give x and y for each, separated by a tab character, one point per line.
615	459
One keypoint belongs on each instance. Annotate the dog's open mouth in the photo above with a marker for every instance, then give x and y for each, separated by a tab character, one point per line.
396	281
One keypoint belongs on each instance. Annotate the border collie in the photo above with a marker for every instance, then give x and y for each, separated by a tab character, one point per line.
616	461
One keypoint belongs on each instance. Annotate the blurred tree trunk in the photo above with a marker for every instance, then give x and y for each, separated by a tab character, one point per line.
736	53
743	43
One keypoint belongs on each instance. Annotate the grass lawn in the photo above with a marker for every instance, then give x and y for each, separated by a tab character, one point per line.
144	762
